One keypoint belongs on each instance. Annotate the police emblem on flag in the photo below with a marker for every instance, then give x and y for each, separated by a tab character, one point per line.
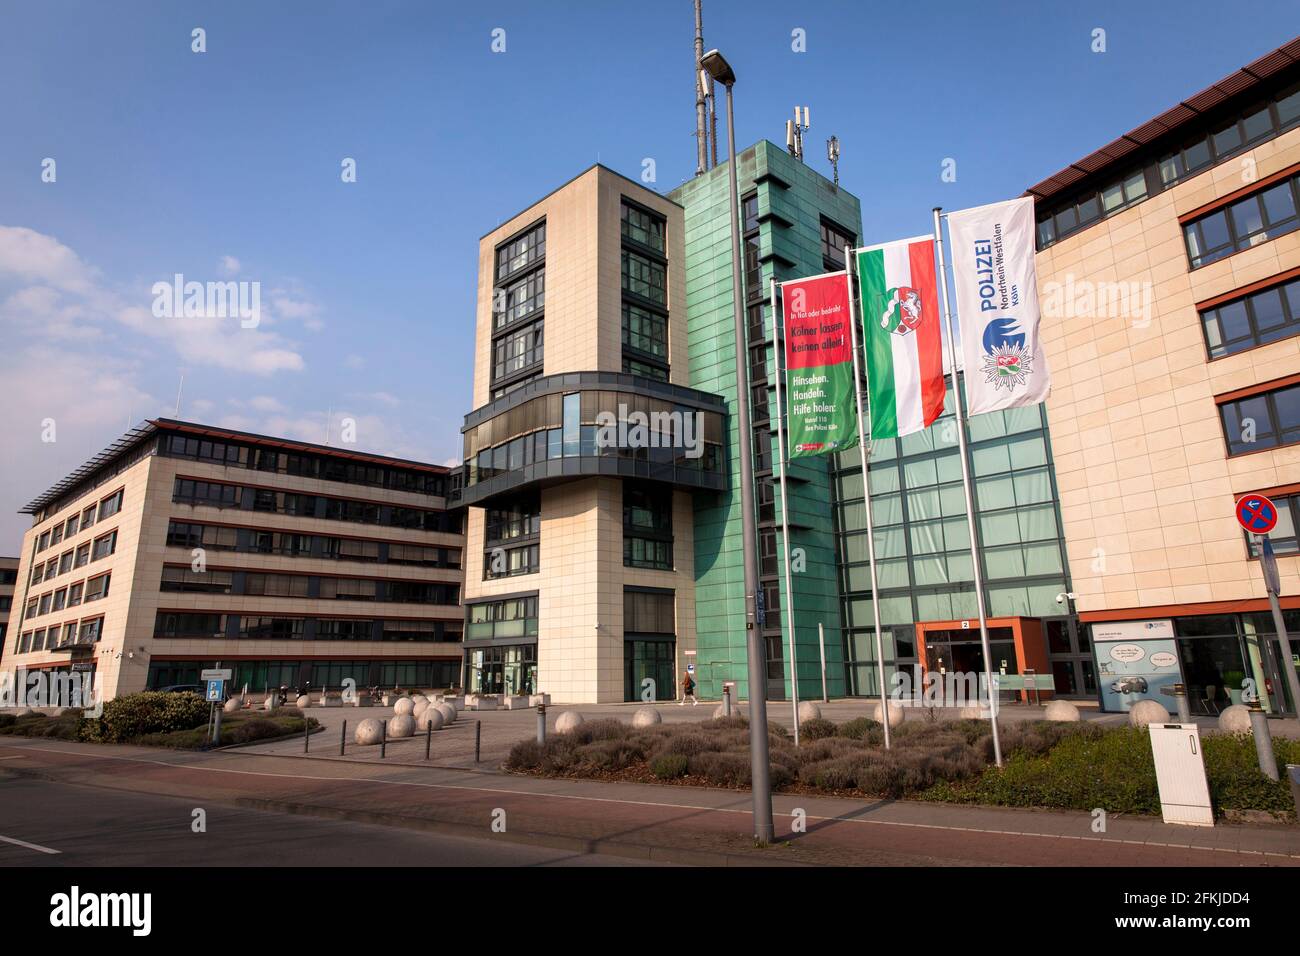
1007	363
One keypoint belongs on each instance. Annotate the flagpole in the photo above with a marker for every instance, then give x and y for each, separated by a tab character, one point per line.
849	270
785	511
966	487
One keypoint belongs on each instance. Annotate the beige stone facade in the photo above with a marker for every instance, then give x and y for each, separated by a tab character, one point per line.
266	536
580	584
1146	483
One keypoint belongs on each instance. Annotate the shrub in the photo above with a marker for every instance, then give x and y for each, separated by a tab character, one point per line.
609	754
1237	783
860	728
720	769
150	712
525	755
669	766
688	744
7	720
816	728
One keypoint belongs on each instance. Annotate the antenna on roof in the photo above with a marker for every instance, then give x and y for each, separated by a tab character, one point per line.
179	388
833	154
794	130
701	93
329	423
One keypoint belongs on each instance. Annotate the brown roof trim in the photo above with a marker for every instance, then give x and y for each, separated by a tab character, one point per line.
1248	189
1259	389
1280	278
1184	610
1235	84
1279	490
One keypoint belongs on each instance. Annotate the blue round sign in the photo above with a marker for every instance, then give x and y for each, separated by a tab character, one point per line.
1256	514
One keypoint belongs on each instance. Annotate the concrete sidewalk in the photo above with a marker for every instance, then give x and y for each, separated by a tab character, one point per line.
670	823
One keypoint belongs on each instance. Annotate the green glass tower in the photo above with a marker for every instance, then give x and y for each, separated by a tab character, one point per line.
795	223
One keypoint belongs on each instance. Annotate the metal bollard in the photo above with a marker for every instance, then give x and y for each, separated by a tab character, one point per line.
726	700
478	738
343	738
306	734
428	739
1180	701
1263	741
541	724
383	739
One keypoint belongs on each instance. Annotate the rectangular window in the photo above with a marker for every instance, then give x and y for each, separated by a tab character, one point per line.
278	585
97	588
520	299
647	526
56	534
521	252
91	631
65	563
60	599
517	351
185	579
632	366
74	594
834	239
189	625
1253	219
648	612
1267	420
645	277
272	628
45	604
345	630
643	227
1256	319
104	546
205	493
645	331
88	517
83	556
110	505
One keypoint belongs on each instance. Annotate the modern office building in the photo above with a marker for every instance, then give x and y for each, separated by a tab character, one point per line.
794	223
182	546
8	581
585	450
1169	270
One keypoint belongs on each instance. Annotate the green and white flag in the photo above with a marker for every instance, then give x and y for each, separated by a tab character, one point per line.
901	336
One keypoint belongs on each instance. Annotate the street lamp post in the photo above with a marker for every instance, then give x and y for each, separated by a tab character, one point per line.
717	67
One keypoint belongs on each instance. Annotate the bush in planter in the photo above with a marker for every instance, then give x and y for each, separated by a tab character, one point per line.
815	728
150	712
861	728
1237	783
669	766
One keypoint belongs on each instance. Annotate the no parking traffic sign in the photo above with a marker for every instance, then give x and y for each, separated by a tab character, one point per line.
1256	514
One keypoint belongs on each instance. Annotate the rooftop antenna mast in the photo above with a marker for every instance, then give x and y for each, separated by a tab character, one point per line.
701	93
833	154
794	130
179	389
329	423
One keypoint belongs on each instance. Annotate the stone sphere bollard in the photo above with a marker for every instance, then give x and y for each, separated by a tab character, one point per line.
895	713
303	702
568	722
232	705
808	710
646	717
369	732
1061	710
1235	720
269	703
448	712
1148	712
719	713
403	707
418	698
970	713
429	717
420	707
401	725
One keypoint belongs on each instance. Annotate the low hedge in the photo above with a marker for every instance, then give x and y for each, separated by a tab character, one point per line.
149	712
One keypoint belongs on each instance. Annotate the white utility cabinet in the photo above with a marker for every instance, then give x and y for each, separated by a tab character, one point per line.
1180	774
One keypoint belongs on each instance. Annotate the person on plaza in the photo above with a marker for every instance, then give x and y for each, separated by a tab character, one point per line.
688	690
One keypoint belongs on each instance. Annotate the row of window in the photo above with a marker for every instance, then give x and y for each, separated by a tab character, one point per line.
644	328
1250	220
506	618
1265	316
647	526
213	625
82	555
262	675
277	584
1204	149
511	530
64	635
83	592
80	521
191	534
236	454
215	494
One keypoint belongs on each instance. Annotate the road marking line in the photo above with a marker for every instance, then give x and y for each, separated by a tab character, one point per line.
30	846
637	803
14	757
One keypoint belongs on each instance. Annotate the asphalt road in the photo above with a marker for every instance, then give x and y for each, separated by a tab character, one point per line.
96	827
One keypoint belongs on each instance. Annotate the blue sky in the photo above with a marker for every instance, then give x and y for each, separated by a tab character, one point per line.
225	165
